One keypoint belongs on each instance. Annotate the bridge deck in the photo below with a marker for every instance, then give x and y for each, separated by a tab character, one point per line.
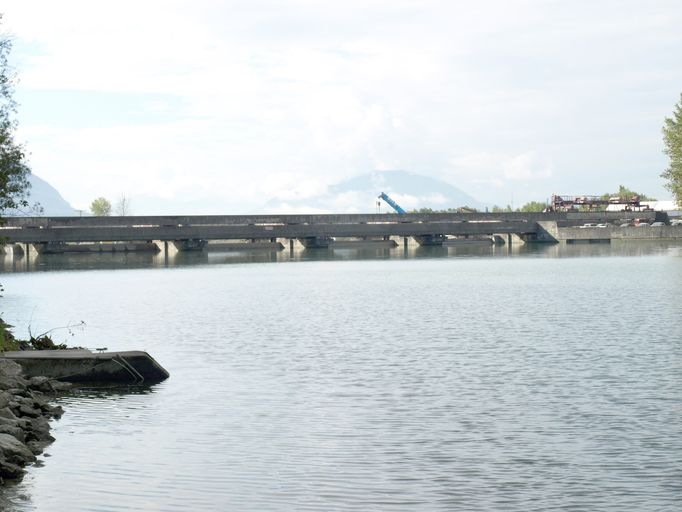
139	228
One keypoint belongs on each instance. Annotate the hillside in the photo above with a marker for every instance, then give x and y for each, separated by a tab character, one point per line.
45	195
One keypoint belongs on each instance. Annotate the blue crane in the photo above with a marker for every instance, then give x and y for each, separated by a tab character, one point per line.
390	201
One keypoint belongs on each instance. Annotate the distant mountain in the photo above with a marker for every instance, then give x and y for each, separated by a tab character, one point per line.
359	195
47	197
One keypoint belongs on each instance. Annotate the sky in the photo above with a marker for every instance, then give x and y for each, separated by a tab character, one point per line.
221	107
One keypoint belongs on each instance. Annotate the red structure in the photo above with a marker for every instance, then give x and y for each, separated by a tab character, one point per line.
564	203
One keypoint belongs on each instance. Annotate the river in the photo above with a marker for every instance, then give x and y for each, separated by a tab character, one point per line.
545	378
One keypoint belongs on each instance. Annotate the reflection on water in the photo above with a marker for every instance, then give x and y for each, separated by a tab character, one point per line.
101	261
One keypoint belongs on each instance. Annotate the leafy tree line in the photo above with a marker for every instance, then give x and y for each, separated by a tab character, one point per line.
101	207
536	206
14	170
462	209
627	194
672	139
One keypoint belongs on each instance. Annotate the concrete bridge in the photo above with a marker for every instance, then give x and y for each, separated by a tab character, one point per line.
49	234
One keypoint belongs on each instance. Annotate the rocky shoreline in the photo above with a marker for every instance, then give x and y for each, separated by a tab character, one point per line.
25	413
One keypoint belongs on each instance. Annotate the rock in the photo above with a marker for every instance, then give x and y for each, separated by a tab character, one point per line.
10	471
39	429
47	385
55	411
36	447
27	400
5	412
17	392
5	399
25	410
10	369
16	422
17	432
11	376
58	386
39	383
14	451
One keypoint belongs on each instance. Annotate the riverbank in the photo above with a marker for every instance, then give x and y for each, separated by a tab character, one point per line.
25	408
25	414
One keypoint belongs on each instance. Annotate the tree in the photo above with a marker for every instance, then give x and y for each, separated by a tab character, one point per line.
627	194
14	171
498	209
461	209
672	138
100	207
533	206
123	206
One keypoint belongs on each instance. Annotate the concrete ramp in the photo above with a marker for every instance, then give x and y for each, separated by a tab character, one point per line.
547	231
131	367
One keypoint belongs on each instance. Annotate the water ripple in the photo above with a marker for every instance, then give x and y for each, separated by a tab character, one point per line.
443	384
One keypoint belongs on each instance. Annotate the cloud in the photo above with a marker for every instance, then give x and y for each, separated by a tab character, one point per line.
500	168
248	101
526	166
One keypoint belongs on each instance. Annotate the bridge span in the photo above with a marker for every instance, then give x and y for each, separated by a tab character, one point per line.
47	234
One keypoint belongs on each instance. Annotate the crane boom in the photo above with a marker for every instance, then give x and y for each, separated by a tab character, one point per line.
390	201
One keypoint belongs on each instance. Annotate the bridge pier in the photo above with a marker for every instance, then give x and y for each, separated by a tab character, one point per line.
18	250
547	231
54	247
316	242
191	244
49	247
429	240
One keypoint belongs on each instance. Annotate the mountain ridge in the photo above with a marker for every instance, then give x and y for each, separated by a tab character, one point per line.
44	200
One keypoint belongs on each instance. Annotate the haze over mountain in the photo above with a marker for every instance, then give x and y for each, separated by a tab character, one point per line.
44	199
359	195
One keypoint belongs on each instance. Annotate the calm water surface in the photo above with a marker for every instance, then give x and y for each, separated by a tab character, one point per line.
545	379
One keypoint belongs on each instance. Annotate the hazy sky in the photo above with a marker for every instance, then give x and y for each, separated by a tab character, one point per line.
219	106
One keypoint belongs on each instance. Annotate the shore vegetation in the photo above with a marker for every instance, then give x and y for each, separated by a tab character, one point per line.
14	170
672	139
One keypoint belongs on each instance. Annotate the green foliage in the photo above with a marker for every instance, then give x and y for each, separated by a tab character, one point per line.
533	206
499	209
462	209
7	340
627	194
42	341
672	138
14	172
100	207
